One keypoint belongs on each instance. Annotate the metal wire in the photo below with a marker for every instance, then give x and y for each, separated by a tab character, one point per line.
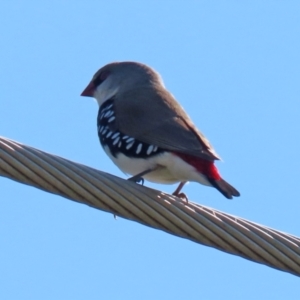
153	208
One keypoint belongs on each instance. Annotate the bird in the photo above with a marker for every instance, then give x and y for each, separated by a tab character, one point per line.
147	133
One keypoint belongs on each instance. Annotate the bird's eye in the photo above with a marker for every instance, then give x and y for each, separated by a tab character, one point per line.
100	78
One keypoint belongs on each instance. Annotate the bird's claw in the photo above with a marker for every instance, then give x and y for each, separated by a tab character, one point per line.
182	196
137	179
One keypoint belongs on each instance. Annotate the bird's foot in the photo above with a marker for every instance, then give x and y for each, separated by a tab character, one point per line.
177	193
137	179
182	196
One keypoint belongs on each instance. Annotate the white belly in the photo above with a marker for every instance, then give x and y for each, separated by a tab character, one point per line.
170	168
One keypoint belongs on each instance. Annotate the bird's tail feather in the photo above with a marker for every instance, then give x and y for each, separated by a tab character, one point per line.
225	188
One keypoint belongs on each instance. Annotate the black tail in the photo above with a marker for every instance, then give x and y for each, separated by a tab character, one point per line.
225	188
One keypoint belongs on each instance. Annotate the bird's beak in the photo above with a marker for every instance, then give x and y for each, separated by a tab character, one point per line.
89	90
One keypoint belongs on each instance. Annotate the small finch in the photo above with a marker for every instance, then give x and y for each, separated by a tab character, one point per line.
147	133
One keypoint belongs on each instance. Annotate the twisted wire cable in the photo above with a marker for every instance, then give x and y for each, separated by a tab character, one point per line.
150	207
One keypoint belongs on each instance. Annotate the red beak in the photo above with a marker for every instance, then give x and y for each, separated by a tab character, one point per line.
89	90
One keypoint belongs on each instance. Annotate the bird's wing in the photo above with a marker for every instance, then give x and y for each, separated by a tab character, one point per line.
153	116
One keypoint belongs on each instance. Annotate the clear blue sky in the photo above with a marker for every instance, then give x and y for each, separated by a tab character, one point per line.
233	65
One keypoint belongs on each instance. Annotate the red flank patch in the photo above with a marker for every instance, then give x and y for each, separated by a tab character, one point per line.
203	166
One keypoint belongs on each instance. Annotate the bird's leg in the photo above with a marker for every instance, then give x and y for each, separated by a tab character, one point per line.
139	177
177	193
180	186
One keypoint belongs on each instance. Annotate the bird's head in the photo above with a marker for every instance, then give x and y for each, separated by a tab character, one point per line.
119	77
